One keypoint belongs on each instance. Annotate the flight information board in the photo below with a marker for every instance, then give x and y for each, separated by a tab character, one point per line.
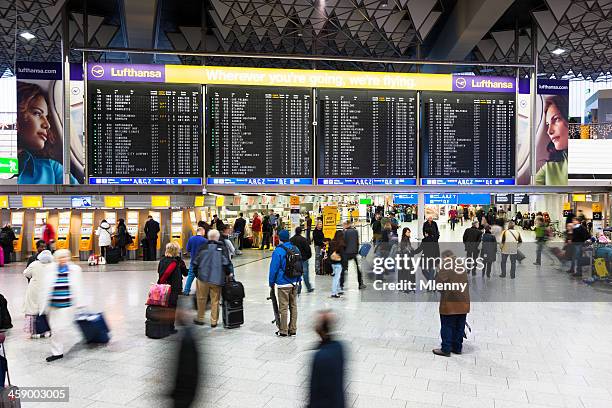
258	135
367	137
468	138
144	133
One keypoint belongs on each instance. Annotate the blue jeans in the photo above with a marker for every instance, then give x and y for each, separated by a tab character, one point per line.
604	252
452	328
306	276
190	278
337	269
512	264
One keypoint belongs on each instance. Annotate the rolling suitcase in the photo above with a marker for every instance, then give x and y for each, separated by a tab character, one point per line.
93	327
233	313
9	393
157	330
113	255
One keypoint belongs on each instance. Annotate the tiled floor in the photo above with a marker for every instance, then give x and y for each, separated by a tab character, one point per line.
533	354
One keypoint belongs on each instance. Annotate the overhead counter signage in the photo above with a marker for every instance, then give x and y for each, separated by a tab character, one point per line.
407	199
472	83
267	77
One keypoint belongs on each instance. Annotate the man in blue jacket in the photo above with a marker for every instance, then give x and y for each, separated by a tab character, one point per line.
287	287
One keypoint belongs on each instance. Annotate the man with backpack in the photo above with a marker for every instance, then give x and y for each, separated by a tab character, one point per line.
286	274
213	266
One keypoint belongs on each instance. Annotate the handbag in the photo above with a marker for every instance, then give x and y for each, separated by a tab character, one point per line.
42	324
159	293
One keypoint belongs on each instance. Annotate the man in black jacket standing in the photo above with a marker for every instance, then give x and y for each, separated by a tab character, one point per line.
579	236
432	226
304	247
239	227
317	240
151	229
327	375
471	240
351	239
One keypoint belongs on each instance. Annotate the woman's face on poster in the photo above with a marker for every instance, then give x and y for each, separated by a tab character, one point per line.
557	126
34	124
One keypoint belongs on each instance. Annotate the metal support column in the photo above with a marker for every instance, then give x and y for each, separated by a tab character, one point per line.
420	215
66	92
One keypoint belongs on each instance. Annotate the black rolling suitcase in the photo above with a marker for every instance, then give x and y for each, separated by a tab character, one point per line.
113	255
159	321
232	308
233	313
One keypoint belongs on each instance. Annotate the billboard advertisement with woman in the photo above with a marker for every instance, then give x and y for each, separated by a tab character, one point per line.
552	132
40	125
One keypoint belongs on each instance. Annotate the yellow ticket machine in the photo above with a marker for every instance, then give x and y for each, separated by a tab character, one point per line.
17	224
176	228
86	235
63	230
132	225
40	218
156	215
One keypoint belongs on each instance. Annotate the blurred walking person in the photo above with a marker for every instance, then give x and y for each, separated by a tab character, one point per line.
327	373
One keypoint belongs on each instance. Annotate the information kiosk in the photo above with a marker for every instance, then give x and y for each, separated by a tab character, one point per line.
39	219
17	224
132	225
86	235
63	230
156	215
176	228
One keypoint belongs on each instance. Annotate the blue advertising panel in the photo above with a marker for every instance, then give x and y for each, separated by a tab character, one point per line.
478	199
259	181
80	201
366	181
455	199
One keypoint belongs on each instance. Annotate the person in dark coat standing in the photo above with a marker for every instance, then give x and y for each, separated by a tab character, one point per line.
432	226
239	228
304	247
454	307
327	374
123	237
351	239
151	229
488	252
7	236
471	240
308	222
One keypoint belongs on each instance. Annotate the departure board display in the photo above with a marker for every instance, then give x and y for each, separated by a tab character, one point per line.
468	138
366	137
144	133
258	135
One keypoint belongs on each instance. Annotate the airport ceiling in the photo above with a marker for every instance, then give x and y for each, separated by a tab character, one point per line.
454	30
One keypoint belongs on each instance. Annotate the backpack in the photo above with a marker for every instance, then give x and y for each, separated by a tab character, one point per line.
293	263
5	316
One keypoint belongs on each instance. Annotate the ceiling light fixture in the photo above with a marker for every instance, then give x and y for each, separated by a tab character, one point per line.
384	3
26	35
559	51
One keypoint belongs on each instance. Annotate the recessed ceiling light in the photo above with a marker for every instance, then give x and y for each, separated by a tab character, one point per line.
559	51
384	3
26	35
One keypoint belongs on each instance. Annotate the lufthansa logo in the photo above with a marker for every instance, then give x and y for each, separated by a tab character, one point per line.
460	83
97	71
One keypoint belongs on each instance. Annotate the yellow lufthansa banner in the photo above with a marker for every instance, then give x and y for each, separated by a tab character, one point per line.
578	198
596	207
567	206
4	201
199	201
113	201
330	221
294	201
219	201
160	201
32	201
307	78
